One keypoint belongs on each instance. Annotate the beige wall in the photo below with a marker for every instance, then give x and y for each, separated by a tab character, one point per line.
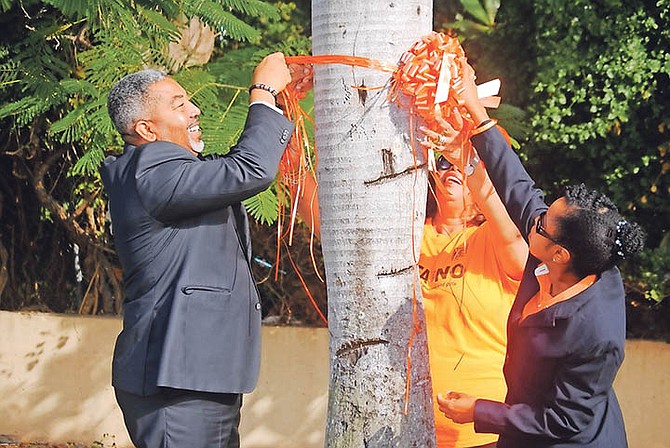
55	375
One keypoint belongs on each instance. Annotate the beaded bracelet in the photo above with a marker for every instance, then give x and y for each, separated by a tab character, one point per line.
265	87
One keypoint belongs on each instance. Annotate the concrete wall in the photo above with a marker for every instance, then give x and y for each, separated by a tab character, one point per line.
55	385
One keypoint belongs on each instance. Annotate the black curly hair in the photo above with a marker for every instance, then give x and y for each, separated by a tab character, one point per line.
594	232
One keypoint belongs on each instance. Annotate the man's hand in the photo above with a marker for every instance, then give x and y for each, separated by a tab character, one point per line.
273	72
457	406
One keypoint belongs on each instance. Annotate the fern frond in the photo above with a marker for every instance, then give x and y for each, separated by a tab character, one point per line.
99	118
77	124
214	15
235	67
263	207
172	9
89	163
224	109
159	24
71	127
253	8
300	45
23	110
116	55
74	8
219	136
200	85
9	74
78	87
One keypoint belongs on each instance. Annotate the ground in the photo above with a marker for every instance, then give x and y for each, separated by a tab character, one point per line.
10	442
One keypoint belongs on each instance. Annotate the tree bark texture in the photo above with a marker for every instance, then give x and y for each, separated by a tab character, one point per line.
372	191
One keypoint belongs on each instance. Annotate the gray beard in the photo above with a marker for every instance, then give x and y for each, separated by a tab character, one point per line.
197	146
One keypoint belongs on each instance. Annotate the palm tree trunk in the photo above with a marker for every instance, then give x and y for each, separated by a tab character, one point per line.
372	199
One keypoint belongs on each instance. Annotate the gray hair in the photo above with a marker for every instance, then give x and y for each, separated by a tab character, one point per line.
127	101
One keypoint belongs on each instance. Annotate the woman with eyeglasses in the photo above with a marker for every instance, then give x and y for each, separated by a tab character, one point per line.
471	262
566	329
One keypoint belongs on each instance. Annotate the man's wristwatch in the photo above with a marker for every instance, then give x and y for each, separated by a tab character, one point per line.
469	167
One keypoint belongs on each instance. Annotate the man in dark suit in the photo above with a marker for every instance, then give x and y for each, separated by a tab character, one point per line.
190	345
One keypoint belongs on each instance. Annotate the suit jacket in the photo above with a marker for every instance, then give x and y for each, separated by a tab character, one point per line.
561	362
191	311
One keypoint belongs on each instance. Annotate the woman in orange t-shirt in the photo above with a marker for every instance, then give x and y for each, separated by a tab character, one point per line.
471	262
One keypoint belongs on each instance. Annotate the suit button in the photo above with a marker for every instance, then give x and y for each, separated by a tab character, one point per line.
257	306
284	136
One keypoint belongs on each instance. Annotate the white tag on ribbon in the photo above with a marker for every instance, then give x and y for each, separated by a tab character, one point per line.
444	81
489	88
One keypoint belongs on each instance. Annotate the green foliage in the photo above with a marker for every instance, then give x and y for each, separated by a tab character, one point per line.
594	80
600	111
63	56
264	206
593	72
58	60
653	271
475	17
591	85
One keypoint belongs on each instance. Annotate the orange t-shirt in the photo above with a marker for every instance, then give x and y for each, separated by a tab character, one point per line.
467	296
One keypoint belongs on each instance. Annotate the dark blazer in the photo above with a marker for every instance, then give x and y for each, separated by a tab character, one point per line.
191	311
562	361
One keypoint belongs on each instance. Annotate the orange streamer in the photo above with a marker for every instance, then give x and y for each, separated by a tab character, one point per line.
356	61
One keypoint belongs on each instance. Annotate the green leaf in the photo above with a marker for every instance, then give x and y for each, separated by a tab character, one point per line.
214	15
253	8
263	207
476	10
159	23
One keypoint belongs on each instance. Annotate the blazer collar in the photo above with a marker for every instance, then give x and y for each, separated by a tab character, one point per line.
608	282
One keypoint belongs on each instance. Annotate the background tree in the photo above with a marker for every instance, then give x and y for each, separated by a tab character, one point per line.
372	200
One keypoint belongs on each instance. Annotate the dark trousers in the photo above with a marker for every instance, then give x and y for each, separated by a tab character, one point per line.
176	418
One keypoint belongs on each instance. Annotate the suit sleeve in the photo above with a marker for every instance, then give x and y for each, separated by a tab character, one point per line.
581	386
522	199
173	184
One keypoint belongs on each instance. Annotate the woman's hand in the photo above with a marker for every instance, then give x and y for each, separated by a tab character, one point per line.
450	141
301	83
469	94
457	406
302	79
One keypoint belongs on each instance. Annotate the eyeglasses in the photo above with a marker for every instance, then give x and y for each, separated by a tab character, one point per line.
539	228
442	164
